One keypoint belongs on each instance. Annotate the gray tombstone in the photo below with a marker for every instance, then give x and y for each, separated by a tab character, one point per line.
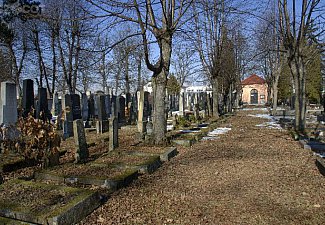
84	106
181	104
101	107
108	105
28	97
113	106
56	106
113	133
68	117
81	153
91	107
8	103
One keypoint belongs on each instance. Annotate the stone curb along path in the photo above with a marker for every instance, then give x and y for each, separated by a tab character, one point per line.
41	203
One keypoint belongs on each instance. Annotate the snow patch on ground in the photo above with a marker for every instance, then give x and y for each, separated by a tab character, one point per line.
212	135
255	109
273	124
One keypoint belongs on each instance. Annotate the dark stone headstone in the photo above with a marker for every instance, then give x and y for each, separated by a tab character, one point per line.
84	106
121	115
113	106
42	111
76	109
101	108
108	105
81	153
28	96
113	133
91	107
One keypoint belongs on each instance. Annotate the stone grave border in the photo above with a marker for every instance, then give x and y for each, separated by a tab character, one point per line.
72	212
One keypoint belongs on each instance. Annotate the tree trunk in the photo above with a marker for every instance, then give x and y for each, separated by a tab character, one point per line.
159	84
215	98
298	71
275	91
159	120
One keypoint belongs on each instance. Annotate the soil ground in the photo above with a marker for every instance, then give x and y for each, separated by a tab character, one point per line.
251	175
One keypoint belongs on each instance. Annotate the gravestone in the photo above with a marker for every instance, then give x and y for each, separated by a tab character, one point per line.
76	109
81	153
84	106
181	104
108	104
141	121
28	97
122	109
42	110
56	106
101	107
147	107
102	124
67	116
113	106
91	107
8	103
113	133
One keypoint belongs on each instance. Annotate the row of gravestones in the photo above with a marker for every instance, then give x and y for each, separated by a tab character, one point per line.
191	101
71	106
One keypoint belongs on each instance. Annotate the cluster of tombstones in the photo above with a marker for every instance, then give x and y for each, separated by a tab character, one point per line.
93	109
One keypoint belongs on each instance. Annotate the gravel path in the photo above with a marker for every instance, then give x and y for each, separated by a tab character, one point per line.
250	175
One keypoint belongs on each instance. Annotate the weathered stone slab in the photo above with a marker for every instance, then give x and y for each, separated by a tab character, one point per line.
106	176
183	142
8	221
168	154
81	153
46	204
312	145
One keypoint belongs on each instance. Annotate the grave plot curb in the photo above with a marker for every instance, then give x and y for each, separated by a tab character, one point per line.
312	145
183	142
9	221
168	154
148	166
79	205
112	184
320	163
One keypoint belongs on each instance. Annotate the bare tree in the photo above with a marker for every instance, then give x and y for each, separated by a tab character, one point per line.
296	33
157	20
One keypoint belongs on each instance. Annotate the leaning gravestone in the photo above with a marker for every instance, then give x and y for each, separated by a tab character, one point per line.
81	153
8	103
141	121
28	96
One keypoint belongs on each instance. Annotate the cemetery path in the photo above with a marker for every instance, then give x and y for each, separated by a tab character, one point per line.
250	175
